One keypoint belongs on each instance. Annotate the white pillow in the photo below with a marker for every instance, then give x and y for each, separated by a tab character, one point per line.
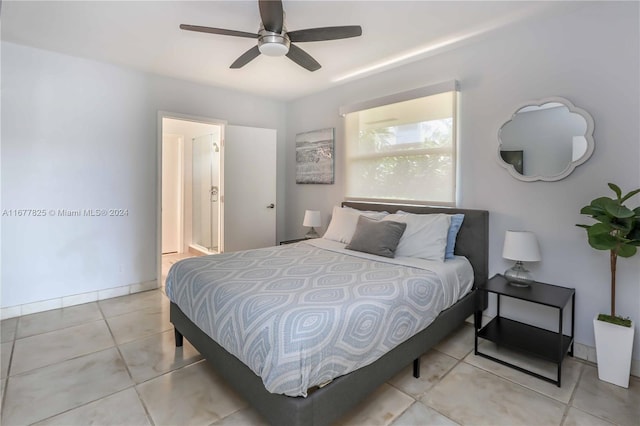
344	221
425	236
371	214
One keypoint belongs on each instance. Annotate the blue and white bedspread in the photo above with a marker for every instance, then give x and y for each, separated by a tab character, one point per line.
300	315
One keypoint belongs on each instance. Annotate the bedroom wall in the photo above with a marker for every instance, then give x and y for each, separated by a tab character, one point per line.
589	56
80	134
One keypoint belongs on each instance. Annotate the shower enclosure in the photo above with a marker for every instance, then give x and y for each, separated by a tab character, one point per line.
205	192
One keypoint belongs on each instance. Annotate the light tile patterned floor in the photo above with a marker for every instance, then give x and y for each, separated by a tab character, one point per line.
114	362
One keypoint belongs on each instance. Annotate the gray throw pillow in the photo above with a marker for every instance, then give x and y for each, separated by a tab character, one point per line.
376	236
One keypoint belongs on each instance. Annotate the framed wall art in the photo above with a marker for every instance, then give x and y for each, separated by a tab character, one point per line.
315	157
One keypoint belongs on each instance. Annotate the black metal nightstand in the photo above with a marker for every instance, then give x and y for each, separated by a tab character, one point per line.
297	240
547	345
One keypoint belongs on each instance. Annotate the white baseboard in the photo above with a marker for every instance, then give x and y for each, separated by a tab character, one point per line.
588	353
76	299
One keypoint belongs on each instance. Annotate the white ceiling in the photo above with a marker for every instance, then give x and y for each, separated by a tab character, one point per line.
144	35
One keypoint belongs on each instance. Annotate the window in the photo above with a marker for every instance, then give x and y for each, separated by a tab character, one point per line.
402	148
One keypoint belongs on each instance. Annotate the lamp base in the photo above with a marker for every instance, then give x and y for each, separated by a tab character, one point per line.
311	234
518	276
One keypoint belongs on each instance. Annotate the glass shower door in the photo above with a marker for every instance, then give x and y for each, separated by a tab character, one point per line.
205	192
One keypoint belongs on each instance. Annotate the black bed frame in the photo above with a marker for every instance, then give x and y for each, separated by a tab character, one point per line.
327	404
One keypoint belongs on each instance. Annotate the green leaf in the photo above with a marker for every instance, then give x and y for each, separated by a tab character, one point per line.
599	203
627	250
634	234
629	195
583	226
599	228
591	211
615	209
623	225
616	189
603	241
604	219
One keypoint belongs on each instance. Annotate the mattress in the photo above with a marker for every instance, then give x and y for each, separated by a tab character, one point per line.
300	315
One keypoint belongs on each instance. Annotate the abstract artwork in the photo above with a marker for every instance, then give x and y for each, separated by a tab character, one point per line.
314	157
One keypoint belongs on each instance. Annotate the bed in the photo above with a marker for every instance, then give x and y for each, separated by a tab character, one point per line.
326	404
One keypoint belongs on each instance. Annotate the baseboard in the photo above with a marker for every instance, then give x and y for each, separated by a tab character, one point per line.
76	299
588	353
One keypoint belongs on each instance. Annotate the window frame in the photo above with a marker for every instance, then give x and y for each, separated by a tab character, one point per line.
421	92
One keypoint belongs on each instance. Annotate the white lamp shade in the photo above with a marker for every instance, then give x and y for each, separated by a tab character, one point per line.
311	218
521	245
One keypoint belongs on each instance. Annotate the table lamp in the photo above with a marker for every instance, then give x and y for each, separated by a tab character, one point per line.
312	219
521	246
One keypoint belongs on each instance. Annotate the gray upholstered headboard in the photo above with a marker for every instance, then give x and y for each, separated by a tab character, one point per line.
473	237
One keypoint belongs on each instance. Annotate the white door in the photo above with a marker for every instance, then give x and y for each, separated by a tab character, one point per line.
171	180
249	188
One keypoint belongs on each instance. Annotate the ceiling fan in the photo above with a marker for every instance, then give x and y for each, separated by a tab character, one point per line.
275	40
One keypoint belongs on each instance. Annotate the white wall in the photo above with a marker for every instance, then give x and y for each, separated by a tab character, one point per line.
589	56
80	134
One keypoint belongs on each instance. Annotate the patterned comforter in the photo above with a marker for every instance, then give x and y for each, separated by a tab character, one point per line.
300	315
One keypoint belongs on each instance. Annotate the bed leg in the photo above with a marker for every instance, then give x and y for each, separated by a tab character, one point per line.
178	337
416	368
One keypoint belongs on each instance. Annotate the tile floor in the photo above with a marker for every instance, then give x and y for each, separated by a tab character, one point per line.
114	362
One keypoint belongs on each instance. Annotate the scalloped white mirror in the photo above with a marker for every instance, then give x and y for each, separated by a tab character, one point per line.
545	140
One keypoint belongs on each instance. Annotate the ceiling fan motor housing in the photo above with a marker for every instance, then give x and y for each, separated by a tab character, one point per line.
273	44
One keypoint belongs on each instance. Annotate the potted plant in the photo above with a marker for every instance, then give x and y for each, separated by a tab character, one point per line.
618	231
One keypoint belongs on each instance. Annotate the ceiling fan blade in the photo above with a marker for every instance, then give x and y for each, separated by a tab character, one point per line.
272	15
326	33
219	31
246	57
302	58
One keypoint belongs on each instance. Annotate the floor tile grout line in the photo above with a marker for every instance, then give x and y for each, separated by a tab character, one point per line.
133	310
117	347
55	329
458	362
573	394
518	384
22	373
115	343
403	411
15	328
6	385
530	388
97	302
570	402
144	406
126	366
462	360
84	404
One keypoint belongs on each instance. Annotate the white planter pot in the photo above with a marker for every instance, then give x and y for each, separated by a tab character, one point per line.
614	344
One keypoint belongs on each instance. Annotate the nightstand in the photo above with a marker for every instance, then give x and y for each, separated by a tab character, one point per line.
544	344
297	240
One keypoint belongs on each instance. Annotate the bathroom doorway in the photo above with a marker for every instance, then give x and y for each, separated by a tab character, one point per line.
191	167
227	193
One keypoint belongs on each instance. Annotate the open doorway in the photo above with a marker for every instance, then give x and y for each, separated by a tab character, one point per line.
225	183
190	213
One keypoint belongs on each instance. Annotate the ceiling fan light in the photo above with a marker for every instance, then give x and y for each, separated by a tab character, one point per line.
273	44
273	49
